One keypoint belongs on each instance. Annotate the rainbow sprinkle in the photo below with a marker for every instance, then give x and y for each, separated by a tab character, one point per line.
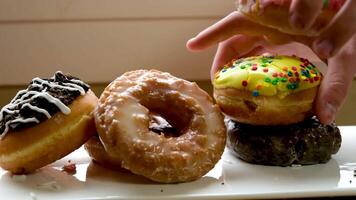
279	74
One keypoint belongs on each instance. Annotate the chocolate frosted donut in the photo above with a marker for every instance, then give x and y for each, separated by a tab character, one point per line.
305	143
41	100
44	122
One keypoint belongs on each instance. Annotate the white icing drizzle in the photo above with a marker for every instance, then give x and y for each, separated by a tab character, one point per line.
21	99
24	97
62	107
28	120
79	88
40	110
17	95
20	120
7	111
77	81
5	130
66	86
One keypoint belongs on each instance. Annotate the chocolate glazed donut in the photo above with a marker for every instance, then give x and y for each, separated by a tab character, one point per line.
45	122
305	143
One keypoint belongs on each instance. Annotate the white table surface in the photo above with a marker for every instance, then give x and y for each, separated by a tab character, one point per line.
230	179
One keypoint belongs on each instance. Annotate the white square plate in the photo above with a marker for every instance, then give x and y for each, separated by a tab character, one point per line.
230	179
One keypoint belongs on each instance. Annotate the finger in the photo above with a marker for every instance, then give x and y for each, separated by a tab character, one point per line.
338	32
303	13
336	83
233	48
233	24
220	31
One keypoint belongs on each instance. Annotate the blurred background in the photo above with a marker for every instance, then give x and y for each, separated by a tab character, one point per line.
99	40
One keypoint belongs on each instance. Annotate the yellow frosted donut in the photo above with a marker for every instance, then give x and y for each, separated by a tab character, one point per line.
267	90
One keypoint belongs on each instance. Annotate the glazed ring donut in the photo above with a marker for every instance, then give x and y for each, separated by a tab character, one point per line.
122	119
267	90
97	152
45	122
276	14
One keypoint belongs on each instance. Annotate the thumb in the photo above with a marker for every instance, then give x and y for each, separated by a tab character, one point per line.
336	83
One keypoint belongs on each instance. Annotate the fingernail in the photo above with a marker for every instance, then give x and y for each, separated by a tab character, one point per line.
191	40
190	44
324	48
296	21
329	113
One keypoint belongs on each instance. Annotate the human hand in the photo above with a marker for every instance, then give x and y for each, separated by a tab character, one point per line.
335	35
227	32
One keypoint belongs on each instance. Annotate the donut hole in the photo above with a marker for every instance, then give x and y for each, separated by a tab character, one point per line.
160	126
170	113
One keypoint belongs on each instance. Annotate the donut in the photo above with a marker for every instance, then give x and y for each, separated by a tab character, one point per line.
45	122
305	143
275	14
267	90
97	152
123	117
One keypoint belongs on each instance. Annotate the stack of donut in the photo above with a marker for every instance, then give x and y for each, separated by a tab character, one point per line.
268	101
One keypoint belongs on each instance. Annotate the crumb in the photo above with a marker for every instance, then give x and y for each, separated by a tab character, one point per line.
296	165
350	181
33	196
228	162
222	183
70	168
19	178
51	185
161	190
